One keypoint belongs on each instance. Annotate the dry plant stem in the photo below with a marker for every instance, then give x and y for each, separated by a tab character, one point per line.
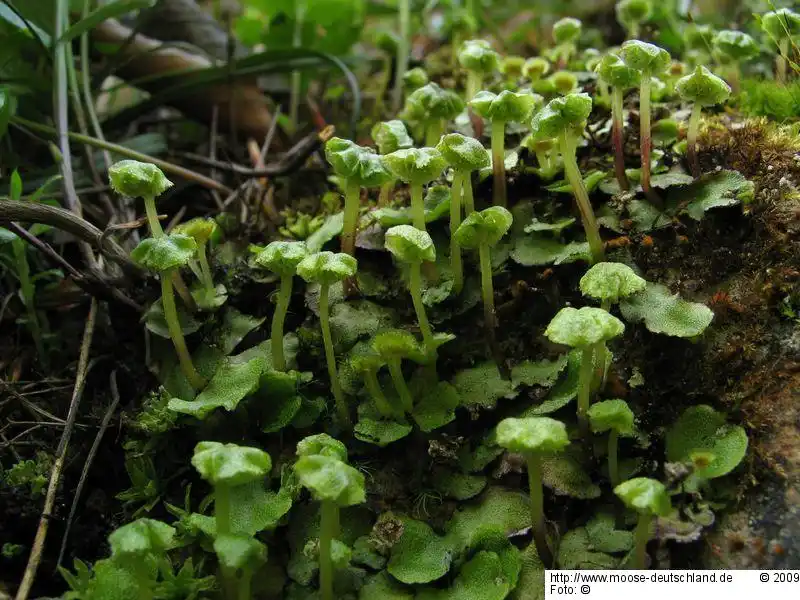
352	197
456	199
782	59
613	463
645	138
165	166
278	318
175	332
417	206
581	198
640	538
498	163
691	139
534	463
112	408
415	287
330	356
55	475
617	139
403	52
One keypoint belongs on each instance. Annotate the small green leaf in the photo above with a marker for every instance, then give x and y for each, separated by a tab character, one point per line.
563	392
137	179
505	107
322	444
539	250
231	383
358	320
613	70
543	373
497	507
605	537
556	228
409	244
432	103
435	405
482	578
720	188
465	154
531	578
567	30
611	281
482	386
142	537
380	432
162	253
534	434
356	163
665	313
644	495
229	464
329	479
200	229
459	486
332	227
613	415
416	165
583	327
383	587
649	59
486	227
560	114
564	475
419	556
703	87
281	257
239	551
391	135
326	267
576	552
397	343
436	206
702	429
736	45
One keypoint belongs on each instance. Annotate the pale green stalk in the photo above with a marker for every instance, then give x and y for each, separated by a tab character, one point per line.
278	319
781	60
330	356
415	287
328	531
176	333
385	193
456	199
205	270
403	52
474	83
640	538
152	217
466	195
645	138
585	387
396	371
613	463
433	132
575	179
534	463
377	395
352	201
498	163
417	206
691	139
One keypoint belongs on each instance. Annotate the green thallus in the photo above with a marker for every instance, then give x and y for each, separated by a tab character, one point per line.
564	119
587	329
358	167
481	231
701	88
226	467
650	61
614	72
417	167
282	259
617	418
414	247
499	109
388	137
464	155
161	253
322	469
649	498
532	437
434	107
326	268
479	60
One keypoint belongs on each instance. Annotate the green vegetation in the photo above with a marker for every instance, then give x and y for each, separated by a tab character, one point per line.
507	287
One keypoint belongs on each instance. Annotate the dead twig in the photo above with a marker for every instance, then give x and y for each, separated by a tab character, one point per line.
89	460
55	475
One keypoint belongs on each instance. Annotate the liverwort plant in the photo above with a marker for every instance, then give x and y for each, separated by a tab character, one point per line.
481	231
326	268
632	13
417	167
479	60
202	230
415	78
566	32
464	155
609	282
388	137
358	167
701	88
433	106
141	180
135	548
733	48
282	259
393	346
535	68
781	26
564	119
499	109
322	469
620	77
367	364
616	417
650	61
226	467
164	255
586	329
413	247
649	498
533	437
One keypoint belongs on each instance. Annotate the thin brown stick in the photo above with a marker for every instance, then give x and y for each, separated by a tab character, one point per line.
55	476
65	220
89	460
